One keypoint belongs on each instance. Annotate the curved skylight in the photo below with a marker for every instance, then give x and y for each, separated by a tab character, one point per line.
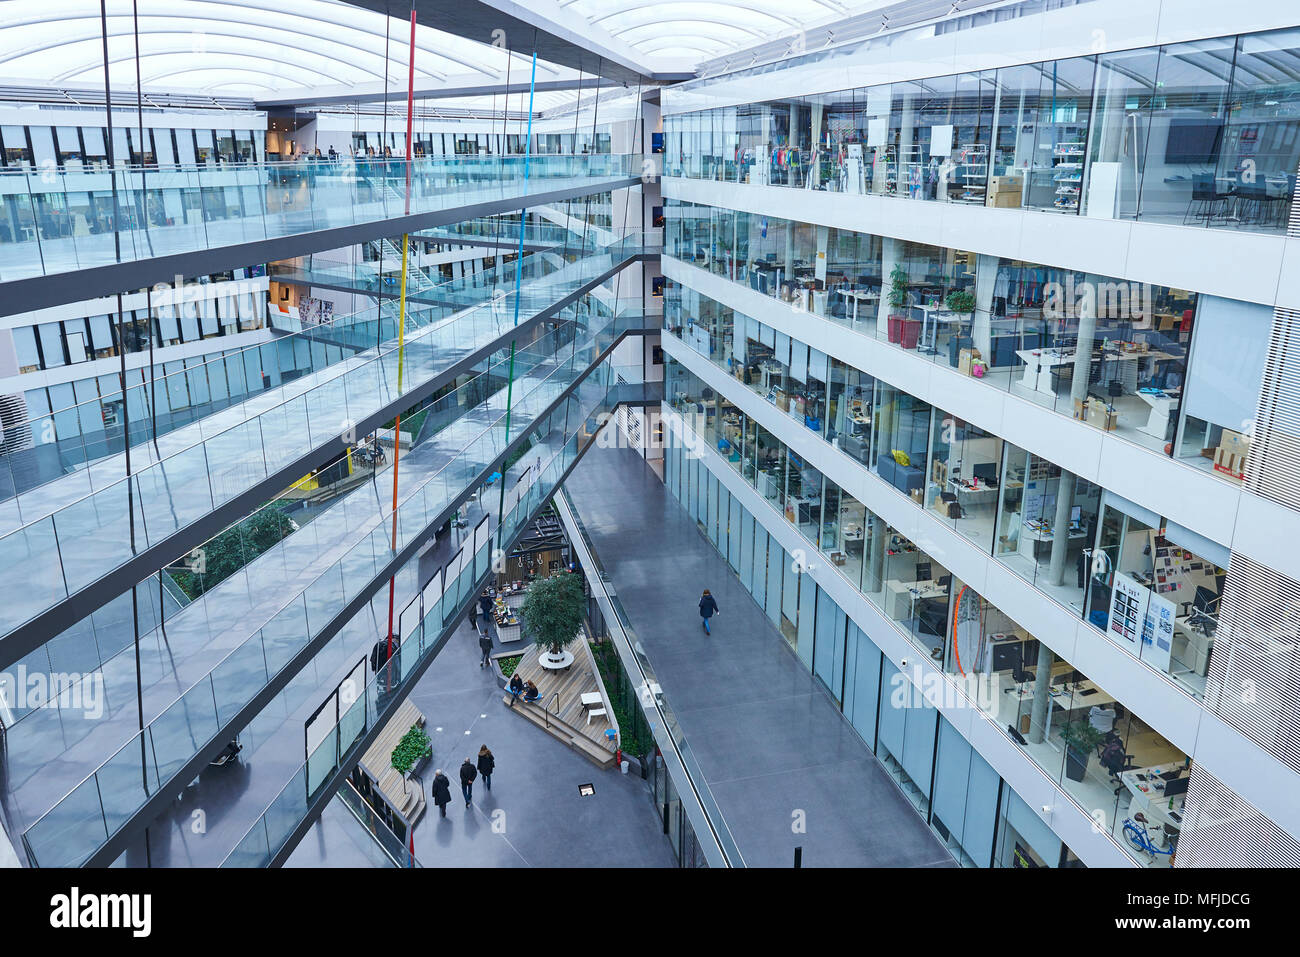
677	33
237	47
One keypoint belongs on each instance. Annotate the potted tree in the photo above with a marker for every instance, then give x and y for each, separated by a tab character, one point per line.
411	752
552	612
1081	739
961	302
897	300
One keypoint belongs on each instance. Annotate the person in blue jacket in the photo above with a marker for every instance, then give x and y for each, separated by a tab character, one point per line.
708	608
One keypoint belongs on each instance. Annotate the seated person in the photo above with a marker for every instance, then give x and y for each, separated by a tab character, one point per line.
515	687
530	692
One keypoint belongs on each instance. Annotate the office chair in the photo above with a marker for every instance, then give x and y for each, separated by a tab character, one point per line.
1115	389
1118	762
923	571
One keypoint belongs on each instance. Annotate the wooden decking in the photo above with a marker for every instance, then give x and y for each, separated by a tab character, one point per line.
570	724
407	800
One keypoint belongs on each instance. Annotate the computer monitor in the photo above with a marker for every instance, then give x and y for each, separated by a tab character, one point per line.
1175	788
986	472
1206	601
923	571
1076	514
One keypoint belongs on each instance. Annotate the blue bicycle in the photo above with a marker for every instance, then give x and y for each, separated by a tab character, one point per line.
1135	829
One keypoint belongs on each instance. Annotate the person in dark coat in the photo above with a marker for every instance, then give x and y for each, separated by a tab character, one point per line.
441	791
485	646
708	608
473	617
516	687
486	764
467	776
485	603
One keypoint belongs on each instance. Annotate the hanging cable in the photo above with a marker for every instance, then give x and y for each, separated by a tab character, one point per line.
126	413
519	278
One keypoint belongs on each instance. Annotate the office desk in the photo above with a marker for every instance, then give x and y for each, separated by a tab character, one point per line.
900	599
932	316
1191	648
1039	364
853	298
1031	538
968	495
1162	404
1151	802
1075	699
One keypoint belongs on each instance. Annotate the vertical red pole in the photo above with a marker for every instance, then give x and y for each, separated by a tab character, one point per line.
397	422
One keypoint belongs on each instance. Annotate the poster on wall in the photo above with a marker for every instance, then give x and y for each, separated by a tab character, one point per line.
1128	609
1158	631
941	140
315	312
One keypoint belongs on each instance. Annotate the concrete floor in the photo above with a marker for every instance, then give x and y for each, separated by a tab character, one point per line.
769	741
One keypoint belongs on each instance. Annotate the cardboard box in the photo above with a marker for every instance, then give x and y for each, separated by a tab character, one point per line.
965	358
1099	416
1004	191
918	495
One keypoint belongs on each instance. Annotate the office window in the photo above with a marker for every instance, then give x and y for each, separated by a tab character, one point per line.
43	152
74	336
96	150
101	337
29	358
16	150
51	336
68	139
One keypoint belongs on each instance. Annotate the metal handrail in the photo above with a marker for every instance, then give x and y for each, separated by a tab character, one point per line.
547	710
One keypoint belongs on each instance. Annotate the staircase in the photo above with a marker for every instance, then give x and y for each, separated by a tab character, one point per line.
417	279
566	720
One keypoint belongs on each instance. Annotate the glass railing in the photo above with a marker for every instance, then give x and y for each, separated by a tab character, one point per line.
65	834
60	219
67	438
270	832
679	757
205	465
365	276
380	833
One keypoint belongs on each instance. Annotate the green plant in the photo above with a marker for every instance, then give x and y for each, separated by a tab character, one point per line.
414	746
959	300
508	665
1081	737
898	286
552	611
230	551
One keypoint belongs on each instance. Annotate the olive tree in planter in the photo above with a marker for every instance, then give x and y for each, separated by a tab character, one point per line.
961	302
413	750
552	612
1081	740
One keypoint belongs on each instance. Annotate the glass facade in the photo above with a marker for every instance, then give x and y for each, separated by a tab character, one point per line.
978	816
1201	133
1054	529
1171	370
1111	762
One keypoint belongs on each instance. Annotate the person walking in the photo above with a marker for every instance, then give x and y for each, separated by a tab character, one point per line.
485	603
473	617
486	764
485	646
467	776
708	608
441	792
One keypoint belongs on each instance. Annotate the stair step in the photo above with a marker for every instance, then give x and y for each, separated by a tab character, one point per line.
571	737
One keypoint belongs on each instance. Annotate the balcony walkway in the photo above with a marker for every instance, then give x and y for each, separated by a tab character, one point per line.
769	741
